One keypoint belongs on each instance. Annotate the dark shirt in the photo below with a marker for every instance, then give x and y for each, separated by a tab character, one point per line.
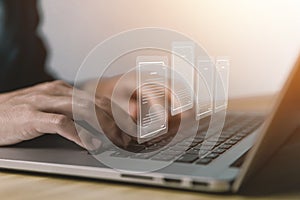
22	52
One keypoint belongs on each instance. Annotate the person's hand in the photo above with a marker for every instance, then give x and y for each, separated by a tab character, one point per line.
45	108
120	94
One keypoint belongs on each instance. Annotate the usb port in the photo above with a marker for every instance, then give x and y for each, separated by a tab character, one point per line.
136	176
172	180
199	183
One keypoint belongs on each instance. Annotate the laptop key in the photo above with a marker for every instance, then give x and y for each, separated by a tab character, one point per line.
203	147
237	138
231	142
193	151
187	158
216	139
186	144
196	140
212	155
200	136
153	147
119	154
194	144
163	157
225	146
204	161
219	151
143	155
179	148
242	134
136	148
171	152
218	143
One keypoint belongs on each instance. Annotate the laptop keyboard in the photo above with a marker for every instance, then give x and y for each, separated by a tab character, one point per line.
236	128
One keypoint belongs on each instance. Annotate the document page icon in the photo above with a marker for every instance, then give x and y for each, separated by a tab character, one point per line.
152	115
204	88
221	84
182	76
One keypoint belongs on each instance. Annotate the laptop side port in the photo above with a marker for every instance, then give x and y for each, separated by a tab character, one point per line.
134	176
199	184
173	181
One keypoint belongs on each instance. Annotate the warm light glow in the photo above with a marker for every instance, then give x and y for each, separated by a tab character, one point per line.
262	38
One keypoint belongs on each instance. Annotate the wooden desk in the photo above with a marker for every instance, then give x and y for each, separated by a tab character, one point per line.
15	185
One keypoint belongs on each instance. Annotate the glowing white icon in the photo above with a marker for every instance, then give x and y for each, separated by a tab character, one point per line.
205	85
182	81
152	116
221	84
204	88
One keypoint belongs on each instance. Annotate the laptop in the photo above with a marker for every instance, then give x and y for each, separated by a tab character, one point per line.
246	145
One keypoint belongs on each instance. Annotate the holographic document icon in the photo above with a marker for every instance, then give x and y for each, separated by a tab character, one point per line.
152	114
221	84
204	87
182	81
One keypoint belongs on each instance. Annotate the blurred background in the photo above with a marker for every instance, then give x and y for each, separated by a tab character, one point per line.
261	37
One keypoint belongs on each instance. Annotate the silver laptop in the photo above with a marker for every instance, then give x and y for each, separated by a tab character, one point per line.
248	142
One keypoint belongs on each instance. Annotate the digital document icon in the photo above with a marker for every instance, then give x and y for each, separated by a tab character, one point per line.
182	81
204	88
152	84
221	84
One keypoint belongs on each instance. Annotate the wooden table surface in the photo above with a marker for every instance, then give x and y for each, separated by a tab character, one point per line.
23	186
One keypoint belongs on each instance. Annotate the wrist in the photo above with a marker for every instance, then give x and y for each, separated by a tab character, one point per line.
4	97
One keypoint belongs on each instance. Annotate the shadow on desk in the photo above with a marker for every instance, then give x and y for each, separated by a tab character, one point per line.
281	174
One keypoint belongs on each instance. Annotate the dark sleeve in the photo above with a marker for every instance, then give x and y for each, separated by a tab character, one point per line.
22	52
